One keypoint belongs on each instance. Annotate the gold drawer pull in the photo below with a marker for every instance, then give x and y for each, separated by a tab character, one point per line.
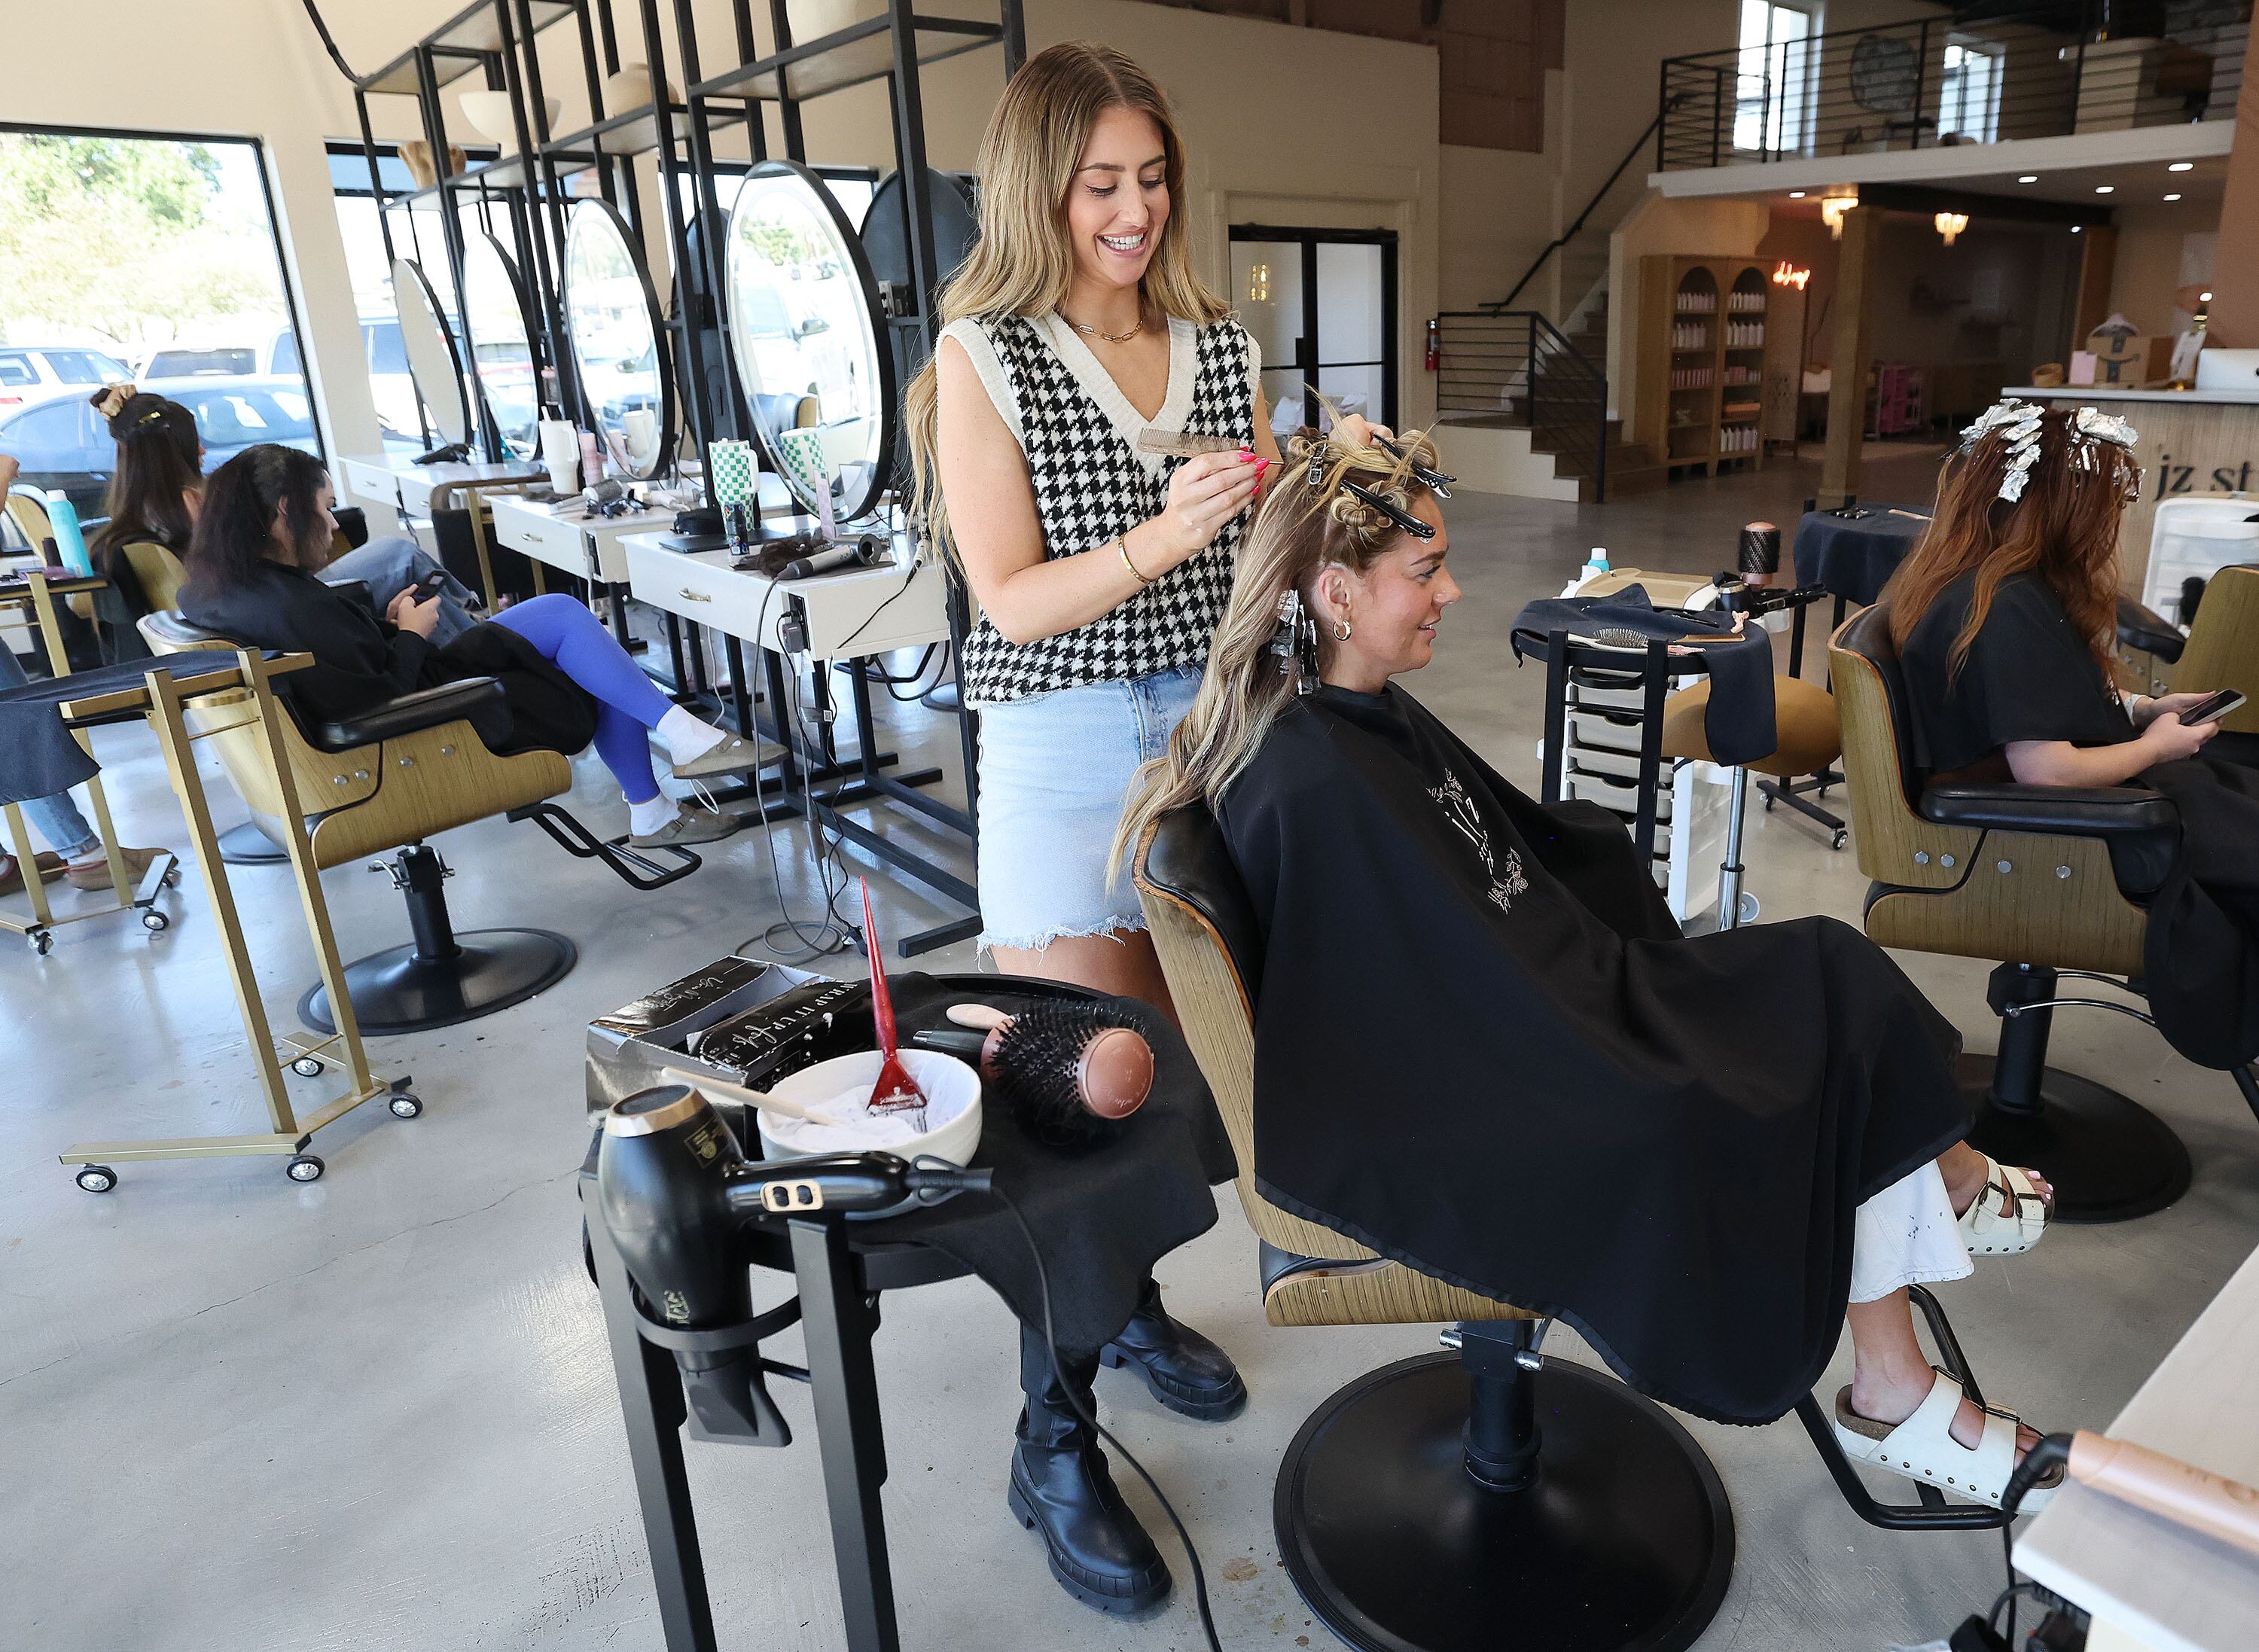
696	596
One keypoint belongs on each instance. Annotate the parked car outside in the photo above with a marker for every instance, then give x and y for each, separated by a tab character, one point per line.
63	445
37	372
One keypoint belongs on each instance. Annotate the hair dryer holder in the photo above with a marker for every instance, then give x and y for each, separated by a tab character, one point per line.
719	1360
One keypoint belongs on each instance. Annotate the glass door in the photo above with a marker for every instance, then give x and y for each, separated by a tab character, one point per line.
1321	304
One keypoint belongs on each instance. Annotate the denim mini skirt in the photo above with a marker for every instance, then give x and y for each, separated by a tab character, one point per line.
1055	770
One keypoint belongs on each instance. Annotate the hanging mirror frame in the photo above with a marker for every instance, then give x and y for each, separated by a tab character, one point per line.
590	217
412	294
868	319
477	245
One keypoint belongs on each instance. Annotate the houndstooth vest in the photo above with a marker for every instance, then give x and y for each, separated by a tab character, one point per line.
1079	433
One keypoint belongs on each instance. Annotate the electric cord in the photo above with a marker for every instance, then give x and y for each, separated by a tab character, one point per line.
1058	1369
2052	1452
329	44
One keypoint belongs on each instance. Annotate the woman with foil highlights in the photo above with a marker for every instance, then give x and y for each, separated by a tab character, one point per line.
2004	617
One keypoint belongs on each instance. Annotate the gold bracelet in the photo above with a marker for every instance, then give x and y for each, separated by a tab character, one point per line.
1122	540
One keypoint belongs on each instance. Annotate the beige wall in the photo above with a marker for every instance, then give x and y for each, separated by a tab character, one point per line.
2146	279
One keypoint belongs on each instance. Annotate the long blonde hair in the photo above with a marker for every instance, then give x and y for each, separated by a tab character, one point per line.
1024	263
1299	532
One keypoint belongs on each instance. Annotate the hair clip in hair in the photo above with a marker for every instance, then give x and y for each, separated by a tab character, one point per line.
1434	481
1402	518
1296	641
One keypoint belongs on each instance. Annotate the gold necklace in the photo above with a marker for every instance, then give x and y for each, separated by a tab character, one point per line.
1110	337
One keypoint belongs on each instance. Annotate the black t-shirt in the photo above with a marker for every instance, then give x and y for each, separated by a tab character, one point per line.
2029	676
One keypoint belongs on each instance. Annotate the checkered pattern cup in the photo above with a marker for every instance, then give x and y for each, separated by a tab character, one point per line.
799	452
730	472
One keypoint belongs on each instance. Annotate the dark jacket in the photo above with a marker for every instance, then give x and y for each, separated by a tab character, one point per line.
360	661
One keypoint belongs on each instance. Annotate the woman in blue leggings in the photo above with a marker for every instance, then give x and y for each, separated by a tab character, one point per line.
263	532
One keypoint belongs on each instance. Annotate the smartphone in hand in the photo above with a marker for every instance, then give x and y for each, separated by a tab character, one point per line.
430	585
2213	708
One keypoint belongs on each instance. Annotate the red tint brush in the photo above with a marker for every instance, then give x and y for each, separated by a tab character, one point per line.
895	1090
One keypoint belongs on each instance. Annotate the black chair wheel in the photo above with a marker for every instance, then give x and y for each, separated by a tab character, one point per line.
1770	801
405	1106
42	942
305	1168
1840	838
98	1179
154	921
307	1067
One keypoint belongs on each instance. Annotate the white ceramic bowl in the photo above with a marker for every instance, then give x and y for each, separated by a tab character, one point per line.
490	113
952	1090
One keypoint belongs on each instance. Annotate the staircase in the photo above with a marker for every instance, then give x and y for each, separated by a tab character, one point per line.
1498	447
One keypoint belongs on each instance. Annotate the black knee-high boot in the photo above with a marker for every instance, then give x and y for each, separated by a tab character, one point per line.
1187	1372
1062	1487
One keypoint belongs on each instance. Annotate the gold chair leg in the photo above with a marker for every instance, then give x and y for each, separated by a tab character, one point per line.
308	875
27	864
180	762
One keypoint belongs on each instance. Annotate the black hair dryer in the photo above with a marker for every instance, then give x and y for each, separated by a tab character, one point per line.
675	1193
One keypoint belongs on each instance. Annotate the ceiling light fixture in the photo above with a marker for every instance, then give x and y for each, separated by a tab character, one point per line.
1796	194
2074	229
2172	197
2104	189
1950	225
2181	166
2204	298
2029	177
1832	209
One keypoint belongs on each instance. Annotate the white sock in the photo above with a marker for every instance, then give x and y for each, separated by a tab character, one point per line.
686	737
647	817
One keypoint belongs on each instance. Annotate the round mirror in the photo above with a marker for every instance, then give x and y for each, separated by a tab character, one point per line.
431	351
887	226
805	325
612	314
502	347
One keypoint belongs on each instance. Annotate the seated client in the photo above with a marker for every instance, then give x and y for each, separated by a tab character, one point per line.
1483	1048
160	483
2004	617
264	530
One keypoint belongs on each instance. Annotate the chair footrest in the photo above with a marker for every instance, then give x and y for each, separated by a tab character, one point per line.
642	868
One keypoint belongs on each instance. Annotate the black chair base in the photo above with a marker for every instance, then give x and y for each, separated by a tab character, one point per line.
246	845
397	991
2110	1159
1624	1540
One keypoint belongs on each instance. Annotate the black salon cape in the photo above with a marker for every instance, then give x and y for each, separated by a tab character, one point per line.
1481	1048
360	661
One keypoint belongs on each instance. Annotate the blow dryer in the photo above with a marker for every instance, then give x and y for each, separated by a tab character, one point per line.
674	1191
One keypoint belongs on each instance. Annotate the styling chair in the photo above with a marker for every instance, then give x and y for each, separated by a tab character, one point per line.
1423	1507
2218	648
2050	880
386	780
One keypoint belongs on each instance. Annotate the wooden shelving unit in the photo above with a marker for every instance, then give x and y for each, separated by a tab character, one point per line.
1702	340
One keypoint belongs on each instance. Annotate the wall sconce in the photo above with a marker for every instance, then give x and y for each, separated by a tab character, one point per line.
1259	284
1950	225
1786	274
1832	209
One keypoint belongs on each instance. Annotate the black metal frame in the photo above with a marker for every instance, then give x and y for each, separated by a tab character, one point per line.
525	318
1306	362
1483	351
663	360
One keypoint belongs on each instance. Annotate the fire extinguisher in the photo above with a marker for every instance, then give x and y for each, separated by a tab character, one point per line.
1435	344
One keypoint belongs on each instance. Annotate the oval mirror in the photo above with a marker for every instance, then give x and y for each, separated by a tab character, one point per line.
431	351
612	315
502	345
804	325
887	226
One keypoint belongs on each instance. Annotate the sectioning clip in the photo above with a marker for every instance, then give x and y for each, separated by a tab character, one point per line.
1434	481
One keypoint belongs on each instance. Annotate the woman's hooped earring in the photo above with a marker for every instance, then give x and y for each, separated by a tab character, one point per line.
1341	630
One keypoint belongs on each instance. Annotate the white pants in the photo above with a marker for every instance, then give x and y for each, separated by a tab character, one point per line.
1906	1234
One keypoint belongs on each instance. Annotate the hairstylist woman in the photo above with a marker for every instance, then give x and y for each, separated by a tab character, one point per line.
160	482
1075	326
264	528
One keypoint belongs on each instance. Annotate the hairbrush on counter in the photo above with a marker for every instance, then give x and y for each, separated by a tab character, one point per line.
1069	1072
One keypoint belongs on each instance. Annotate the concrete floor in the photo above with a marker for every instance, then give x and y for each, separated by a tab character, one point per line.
246	1415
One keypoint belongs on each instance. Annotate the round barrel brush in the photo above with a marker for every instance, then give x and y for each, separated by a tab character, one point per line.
1069	1072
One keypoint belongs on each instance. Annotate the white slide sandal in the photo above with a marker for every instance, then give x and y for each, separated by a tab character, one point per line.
1922	1448
2007	1217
